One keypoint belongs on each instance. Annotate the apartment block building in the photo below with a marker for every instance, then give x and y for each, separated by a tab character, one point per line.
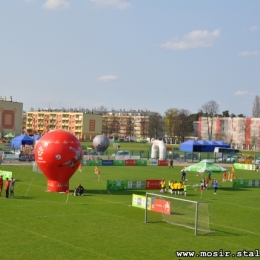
11	114
240	132
131	124
84	125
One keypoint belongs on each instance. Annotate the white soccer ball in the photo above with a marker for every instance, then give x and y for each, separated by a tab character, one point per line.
186	180
58	156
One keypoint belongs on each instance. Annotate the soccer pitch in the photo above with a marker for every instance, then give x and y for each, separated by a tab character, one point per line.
36	224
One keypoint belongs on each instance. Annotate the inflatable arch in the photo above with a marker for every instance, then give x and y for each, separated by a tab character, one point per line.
158	145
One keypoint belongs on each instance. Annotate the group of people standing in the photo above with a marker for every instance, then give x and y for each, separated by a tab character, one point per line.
8	186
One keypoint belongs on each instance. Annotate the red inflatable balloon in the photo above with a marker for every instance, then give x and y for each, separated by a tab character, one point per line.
58	155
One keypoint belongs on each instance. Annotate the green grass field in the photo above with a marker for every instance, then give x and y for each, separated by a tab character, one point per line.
36	224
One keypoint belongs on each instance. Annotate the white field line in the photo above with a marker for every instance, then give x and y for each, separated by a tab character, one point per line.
57	240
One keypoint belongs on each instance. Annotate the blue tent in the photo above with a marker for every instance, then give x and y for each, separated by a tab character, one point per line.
21	140
202	146
190	146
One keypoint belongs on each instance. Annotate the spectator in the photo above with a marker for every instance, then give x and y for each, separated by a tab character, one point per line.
7	185
1	184
215	186
79	190
12	182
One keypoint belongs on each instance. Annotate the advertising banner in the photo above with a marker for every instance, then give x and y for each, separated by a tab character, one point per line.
141	162
140	201
153	184
6	174
253	183
130	162
240	183
135	184
95	162
116	184
107	162
162	206
119	163
152	162
84	162
162	162
240	166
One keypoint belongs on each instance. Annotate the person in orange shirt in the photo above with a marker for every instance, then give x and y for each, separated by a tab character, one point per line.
80	167
224	177
7	184
232	176
96	170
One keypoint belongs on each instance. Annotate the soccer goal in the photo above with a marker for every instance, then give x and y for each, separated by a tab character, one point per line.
181	212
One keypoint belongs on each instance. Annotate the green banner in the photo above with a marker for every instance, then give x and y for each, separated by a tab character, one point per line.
116	184
6	174
94	162
141	162
119	162
240	183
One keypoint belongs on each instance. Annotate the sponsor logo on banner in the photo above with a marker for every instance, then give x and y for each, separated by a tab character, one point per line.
162	206
107	162
152	162
130	163
153	184
135	184
162	163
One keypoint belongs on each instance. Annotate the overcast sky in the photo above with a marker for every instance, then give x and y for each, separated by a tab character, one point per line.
131	54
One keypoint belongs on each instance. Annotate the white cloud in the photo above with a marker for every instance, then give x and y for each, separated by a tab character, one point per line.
254	28
107	78
192	40
241	93
118	4
249	53
56	4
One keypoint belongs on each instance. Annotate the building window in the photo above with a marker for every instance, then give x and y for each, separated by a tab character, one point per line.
92	125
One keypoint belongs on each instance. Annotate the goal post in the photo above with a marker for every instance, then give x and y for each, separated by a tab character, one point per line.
181	212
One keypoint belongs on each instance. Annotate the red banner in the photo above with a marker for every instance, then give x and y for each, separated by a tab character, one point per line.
162	206
153	184
162	162
130	162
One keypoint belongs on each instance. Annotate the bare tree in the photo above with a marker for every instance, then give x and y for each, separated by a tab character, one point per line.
184	124
156	126
256	107
170	119
210	110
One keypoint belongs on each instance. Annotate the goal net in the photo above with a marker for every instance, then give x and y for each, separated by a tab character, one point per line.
187	213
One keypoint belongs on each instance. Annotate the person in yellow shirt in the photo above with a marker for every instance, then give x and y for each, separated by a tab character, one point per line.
163	186
96	170
181	190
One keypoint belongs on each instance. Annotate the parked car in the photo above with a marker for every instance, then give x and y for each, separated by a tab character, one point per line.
257	161
122	153
190	156
232	159
222	159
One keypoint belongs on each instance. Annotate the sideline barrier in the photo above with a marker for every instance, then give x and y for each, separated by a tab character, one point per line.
133	184
244	183
129	162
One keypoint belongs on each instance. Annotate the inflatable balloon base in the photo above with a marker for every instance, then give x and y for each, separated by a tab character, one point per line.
56	186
